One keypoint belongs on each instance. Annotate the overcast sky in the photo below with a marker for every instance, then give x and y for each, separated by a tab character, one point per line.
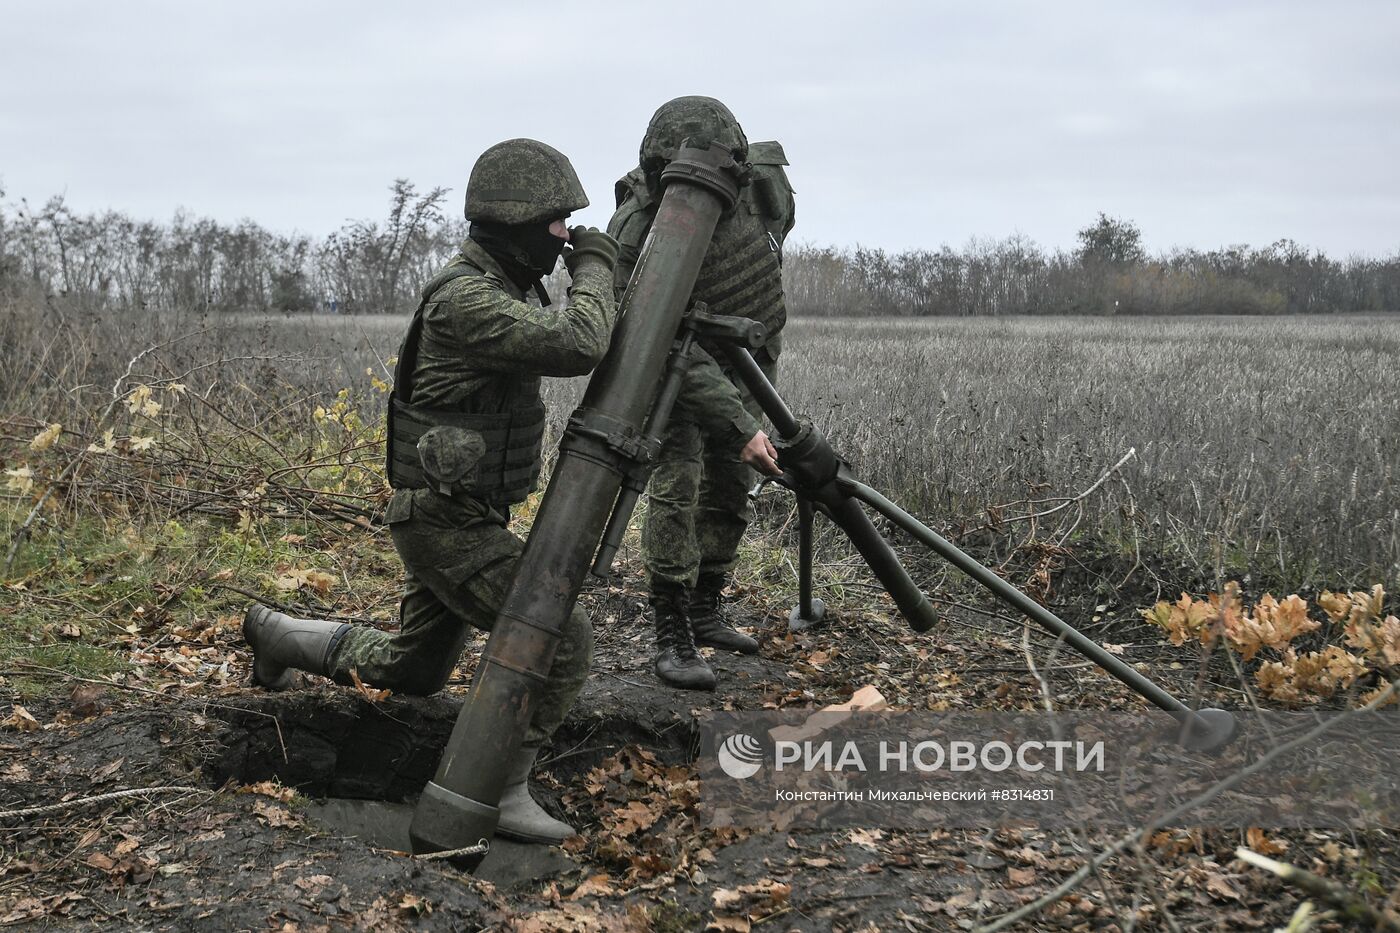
908	124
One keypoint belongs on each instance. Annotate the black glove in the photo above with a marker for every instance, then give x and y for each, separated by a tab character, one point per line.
589	241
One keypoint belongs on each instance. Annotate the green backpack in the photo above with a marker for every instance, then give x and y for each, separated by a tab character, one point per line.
770	191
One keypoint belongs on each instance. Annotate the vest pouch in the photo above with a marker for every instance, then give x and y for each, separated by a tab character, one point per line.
400	507
450	455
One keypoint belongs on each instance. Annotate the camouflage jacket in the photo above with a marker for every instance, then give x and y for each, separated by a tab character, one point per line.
483	346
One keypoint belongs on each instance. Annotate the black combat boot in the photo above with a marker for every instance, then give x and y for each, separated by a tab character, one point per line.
678	664
280	642
707	619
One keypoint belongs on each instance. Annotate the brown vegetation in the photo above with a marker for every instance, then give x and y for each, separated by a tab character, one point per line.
113	262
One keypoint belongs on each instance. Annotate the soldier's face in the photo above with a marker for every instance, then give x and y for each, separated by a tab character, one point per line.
559	229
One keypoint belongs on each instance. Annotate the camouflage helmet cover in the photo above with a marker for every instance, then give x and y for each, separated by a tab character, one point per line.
523	181
698	118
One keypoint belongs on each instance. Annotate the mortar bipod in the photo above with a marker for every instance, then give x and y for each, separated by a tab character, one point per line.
823	482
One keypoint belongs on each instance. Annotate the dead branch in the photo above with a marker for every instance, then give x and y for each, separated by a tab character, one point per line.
100	798
23	530
1352	906
1071	500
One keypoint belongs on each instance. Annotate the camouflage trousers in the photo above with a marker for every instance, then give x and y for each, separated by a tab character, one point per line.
459	560
697	501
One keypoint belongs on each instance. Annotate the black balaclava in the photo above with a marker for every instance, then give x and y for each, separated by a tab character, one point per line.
526	252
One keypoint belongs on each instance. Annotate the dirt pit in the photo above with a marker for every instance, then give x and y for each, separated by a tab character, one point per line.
293	814
363	764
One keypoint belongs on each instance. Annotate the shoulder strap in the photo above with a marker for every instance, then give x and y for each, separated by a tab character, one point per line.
632	185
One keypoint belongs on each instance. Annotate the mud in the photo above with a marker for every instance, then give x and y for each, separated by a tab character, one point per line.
238	856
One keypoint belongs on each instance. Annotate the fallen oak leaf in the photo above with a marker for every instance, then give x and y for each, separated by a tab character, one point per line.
1020	877
411	905
634	817
100	862
1261	843
274	815
313	882
20	720
45	438
599	885
269	789
319	581
866	837
370	694
765	893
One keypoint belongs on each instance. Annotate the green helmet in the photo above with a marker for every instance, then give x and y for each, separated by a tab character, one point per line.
702	119
523	181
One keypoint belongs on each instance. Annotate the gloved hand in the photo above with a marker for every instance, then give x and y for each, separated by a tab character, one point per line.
589	241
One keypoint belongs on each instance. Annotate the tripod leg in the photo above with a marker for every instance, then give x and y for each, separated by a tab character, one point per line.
808	612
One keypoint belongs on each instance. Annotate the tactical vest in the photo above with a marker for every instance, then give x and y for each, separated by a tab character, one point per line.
509	445
742	275
742	271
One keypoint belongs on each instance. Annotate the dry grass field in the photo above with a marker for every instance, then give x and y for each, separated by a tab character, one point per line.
1264	448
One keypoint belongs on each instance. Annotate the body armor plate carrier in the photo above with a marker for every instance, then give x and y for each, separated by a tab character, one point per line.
508	443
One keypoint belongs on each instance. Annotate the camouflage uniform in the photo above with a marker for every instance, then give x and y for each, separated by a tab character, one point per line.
482	349
698	505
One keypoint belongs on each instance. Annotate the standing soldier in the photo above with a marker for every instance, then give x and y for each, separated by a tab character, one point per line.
465	428
698	505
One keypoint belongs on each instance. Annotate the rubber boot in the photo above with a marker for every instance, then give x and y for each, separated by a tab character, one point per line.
707	620
522	819
280	643
677	662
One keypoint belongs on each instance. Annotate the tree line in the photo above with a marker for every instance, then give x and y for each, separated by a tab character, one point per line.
108	260
1109	273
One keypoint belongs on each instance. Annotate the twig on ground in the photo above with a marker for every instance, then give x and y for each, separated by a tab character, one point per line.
288	608
100	798
1352	906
